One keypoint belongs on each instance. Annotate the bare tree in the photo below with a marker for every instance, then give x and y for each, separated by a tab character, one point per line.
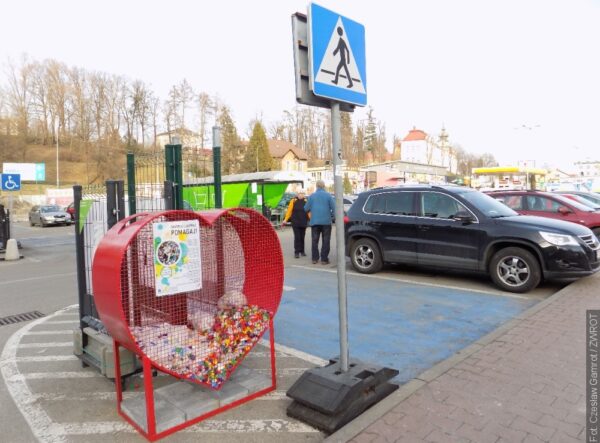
19	93
206	107
141	98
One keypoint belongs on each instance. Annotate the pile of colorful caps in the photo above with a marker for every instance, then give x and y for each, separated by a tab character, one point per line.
208	356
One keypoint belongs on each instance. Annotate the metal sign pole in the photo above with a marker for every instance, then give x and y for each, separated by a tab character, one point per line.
10	215
336	137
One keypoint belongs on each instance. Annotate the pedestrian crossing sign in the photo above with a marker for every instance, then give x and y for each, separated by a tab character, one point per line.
337	56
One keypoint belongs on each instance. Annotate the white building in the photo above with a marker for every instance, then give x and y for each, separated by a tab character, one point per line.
587	168
418	147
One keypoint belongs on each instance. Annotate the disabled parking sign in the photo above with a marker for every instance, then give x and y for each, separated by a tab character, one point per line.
11	182
337	56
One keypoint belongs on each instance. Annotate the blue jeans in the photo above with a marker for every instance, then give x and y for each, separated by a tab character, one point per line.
316	232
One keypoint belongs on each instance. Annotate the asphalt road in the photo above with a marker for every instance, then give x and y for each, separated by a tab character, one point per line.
400	317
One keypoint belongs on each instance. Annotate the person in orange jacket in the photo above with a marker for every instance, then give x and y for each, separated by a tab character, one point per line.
299	218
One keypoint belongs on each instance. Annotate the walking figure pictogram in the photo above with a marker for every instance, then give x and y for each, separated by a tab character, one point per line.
342	48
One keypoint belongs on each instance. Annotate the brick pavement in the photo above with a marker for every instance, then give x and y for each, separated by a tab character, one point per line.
522	383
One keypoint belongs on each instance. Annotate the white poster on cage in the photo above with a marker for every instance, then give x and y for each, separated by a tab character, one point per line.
177	258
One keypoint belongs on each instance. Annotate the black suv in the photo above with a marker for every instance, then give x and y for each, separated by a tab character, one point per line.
460	228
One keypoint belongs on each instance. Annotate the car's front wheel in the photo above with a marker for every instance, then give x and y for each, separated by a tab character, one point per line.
365	256
515	269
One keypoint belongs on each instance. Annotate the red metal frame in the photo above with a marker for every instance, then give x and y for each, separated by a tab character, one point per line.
147	365
259	258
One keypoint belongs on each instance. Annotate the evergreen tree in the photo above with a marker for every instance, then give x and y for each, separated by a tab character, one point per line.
230	143
347	136
371	133
258	146
347	185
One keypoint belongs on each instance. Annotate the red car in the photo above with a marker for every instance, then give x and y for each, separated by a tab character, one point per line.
71	210
545	204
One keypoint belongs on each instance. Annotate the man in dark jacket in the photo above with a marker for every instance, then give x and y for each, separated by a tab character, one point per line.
321	207
299	218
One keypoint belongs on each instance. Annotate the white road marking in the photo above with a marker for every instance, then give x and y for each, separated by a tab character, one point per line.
272	425
58	344
40	277
84	396
45	358
63	322
57	332
112	396
318	361
418	283
283	371
90	373
47	431
208	426
38	420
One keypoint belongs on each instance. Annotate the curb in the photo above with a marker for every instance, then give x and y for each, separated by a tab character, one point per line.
373	414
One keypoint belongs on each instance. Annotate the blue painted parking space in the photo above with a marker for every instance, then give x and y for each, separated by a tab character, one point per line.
409	327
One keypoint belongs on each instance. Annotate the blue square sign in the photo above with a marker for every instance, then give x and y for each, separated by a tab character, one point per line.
337	56
11	182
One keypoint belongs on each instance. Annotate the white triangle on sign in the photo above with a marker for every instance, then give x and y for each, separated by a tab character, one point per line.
341	63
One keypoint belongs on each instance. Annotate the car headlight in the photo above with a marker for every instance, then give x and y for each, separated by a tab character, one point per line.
559	239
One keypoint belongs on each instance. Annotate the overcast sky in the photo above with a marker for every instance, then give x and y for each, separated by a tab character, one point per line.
481	68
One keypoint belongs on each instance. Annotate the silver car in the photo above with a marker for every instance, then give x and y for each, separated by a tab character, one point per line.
47	215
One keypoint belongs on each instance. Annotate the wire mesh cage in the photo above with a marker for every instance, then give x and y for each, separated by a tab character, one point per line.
193	292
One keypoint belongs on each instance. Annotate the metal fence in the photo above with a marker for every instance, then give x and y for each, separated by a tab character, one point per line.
150	188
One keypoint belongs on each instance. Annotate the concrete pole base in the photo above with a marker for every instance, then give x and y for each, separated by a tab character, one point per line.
12	250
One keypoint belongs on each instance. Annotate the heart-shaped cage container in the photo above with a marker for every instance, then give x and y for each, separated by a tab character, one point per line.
193	292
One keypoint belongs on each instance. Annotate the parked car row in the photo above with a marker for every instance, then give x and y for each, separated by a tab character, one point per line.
574	207
456	227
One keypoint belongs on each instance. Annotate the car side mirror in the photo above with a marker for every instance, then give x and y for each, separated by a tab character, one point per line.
564	210
464	217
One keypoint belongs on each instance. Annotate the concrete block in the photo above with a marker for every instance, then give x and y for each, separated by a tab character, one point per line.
100	348
192	399
167	415
251	379
77	342
12	250
230	392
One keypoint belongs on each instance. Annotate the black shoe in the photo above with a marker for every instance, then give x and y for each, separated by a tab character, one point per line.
303	254
315	262
296	255
324	262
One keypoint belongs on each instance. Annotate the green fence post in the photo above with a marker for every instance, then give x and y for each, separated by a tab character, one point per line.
131	182
178	177
217	166
174	172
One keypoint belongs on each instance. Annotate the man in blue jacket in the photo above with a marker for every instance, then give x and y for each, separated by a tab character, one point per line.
322	209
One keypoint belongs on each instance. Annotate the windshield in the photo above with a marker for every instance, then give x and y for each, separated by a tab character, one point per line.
585	201
50	209
574	204
488	205
591	197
